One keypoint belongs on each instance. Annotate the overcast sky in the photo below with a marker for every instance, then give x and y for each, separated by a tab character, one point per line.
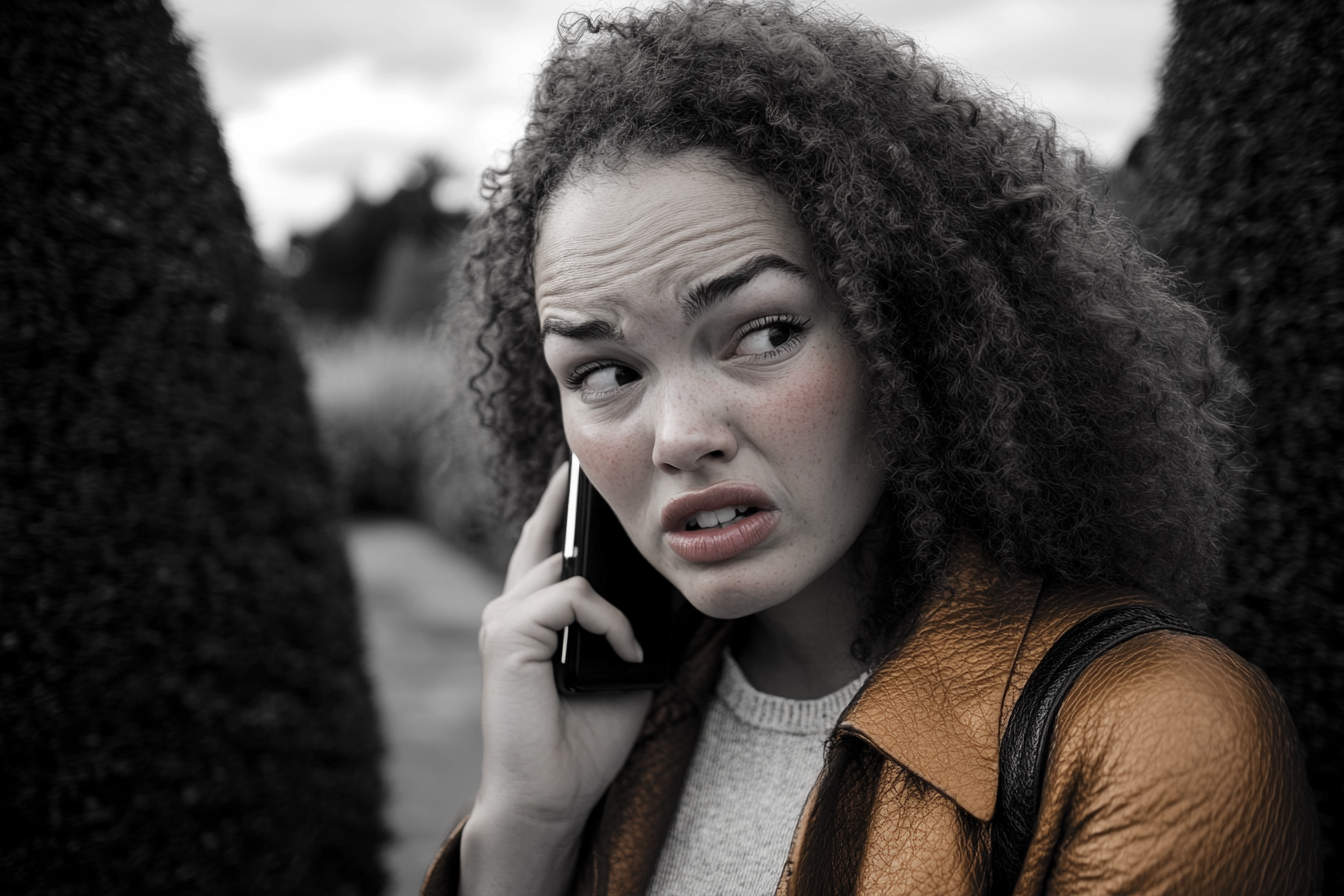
319	98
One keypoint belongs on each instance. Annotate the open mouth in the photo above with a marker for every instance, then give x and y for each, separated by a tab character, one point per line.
717	519
720	522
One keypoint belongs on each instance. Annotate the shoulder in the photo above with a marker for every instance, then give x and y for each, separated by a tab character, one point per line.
1178	754
1159	687
1186	691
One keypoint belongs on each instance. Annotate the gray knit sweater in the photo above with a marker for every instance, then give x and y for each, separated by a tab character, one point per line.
755	763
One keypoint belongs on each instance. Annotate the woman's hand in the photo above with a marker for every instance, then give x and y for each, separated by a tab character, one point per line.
548	757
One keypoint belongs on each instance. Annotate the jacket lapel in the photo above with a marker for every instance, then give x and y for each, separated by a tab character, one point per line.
935	706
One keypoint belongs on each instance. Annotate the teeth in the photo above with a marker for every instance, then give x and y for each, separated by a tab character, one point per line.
711	519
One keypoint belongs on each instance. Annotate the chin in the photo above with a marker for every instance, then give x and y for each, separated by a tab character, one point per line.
729	595
733	607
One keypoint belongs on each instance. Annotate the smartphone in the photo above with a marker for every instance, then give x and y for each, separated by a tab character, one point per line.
596	547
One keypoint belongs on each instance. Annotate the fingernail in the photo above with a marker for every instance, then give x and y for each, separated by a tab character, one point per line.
639	654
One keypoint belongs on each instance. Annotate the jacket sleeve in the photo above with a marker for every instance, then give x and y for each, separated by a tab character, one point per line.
445	872
1175	768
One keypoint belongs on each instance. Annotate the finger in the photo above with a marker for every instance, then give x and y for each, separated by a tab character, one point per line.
540	616
602	618
536	542
545	573
597	615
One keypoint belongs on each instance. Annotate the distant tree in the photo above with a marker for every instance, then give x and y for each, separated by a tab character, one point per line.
377	260
1244	188
183	706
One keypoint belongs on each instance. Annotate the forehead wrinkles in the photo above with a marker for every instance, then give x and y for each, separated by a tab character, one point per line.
603	262
655	227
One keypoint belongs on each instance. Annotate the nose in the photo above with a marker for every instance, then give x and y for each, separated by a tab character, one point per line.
692	427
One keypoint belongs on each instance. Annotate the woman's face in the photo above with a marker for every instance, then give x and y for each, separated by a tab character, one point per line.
705	383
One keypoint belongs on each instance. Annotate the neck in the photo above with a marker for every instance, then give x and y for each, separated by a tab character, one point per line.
800	649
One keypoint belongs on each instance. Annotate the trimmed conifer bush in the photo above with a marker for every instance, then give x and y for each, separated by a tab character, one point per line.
1245	190
183	707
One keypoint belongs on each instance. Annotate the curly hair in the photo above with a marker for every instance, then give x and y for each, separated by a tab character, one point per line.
1036	381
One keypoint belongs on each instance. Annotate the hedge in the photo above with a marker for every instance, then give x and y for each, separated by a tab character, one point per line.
183	704
1245	191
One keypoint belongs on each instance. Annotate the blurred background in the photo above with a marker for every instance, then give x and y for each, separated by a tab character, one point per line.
357	133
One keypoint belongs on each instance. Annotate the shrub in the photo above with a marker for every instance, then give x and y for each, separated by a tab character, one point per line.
1244	188
183	706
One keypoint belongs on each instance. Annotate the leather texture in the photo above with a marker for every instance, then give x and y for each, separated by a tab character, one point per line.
1173	768
1025	745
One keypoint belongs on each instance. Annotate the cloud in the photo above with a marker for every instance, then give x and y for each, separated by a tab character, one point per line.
307	142
319	98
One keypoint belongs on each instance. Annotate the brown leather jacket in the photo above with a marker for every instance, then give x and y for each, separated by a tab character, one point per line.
1174	766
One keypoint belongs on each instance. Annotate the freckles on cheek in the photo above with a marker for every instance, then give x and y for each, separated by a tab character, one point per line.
612	460
814	415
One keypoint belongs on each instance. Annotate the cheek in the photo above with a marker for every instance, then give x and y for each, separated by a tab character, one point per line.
615	459
817	417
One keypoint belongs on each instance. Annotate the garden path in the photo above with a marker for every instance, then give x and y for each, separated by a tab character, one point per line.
421	600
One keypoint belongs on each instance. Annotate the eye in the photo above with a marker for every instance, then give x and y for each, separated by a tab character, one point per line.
601	376
768	336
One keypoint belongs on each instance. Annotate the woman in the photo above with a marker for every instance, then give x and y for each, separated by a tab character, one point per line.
865	374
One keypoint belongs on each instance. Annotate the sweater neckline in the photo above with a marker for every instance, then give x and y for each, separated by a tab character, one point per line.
782	714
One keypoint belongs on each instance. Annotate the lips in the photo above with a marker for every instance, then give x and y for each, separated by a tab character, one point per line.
712	545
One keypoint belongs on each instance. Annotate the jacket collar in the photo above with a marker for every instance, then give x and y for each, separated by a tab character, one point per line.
936	705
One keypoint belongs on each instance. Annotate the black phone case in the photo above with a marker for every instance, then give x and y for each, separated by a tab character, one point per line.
597	548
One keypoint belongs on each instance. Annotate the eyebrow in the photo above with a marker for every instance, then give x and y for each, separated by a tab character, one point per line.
588	330
700	299
703	296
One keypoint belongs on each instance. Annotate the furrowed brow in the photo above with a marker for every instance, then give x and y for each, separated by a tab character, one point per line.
588	330
703	296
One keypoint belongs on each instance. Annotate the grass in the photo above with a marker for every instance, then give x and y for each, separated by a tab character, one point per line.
398	427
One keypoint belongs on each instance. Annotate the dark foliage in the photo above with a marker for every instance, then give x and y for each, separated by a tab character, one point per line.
340	266
1245	189
1034	381
183	707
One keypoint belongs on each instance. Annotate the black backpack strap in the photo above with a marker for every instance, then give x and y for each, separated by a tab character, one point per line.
1026	740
